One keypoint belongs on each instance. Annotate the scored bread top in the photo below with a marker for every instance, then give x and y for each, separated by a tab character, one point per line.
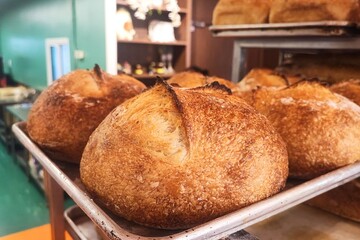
173	157
81	84
65	114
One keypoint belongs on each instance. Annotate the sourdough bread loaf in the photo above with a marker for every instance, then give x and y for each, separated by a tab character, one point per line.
190	79
321	128
283	11
343	201
262	78
65	114
233	12
173	157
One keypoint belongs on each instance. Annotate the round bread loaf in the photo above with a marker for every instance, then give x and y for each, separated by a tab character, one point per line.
321	129
261	77
264	78
284	11
173	158
190	79
67	112
349	89
187	79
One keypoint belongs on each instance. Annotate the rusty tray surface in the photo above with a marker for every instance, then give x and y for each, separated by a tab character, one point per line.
305	29
67	176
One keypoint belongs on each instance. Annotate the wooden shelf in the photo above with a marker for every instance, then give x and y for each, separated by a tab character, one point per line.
146	41
152	76
124	3
143	51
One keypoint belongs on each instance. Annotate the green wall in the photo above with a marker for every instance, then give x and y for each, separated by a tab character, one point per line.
24	28
90	32
0	40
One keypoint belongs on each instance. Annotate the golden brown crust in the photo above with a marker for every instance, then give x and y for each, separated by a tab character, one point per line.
314	10
343	201
65	114
262	77
349	89
177	158
321	129
227	83
190	79
233	12
187	79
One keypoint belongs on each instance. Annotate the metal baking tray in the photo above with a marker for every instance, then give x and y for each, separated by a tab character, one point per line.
80	226
305	29
67	176
305	222
291	224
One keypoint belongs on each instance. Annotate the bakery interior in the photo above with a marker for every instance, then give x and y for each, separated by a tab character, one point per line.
179	119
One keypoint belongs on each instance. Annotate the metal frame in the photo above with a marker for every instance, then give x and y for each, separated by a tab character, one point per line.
239	68
66	176
285	36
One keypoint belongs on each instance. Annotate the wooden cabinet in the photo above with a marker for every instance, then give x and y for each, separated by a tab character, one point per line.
142	51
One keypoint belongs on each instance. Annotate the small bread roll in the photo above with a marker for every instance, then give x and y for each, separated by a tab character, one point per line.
233	12
65	114
262	77
349	89
189	79
173	157
321	129
314	10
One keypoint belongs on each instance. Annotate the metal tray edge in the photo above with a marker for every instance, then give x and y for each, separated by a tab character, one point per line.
272	26
217	228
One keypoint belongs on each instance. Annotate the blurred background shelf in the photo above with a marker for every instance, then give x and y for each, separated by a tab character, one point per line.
142	51
124	3
147	41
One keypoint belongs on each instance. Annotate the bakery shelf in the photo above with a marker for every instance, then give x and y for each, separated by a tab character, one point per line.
147	41
305	29
67	177
142	51
152	76
330	35
124	3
